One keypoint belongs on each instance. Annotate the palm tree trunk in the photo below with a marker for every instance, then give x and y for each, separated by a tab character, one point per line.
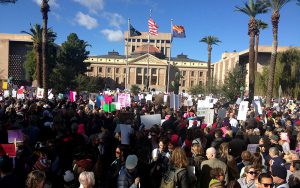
251	68
209	68
38	66
256	51
45	9
275	21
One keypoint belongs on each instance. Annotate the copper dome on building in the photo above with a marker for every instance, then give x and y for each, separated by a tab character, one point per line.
144	50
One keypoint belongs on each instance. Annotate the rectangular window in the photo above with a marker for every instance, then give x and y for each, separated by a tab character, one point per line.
138	40
144	40
183	83
139	70
124	71
108	70
133	48
92	69
162	49
117	80
117	70
100	69
133	40
151	41
192	73
139	79
200	74
183	73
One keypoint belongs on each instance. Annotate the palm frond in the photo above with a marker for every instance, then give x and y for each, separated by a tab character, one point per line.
261	24
276	5
210	40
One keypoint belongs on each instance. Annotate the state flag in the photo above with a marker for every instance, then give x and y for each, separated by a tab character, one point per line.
178	31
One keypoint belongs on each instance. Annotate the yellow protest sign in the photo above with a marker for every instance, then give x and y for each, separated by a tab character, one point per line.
4	85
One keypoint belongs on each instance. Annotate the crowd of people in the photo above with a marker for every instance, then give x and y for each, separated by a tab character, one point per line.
69	145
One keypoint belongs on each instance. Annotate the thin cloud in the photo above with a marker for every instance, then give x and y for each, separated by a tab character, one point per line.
86	21
114	19
52	3
112	35
93	5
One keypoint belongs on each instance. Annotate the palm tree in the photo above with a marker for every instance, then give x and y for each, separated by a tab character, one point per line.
260	26
276	6
209	40
36	36
252	9
45	9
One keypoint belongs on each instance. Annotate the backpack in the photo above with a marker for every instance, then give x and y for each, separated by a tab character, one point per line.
169	179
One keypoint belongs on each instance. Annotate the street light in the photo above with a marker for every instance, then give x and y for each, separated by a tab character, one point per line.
242	92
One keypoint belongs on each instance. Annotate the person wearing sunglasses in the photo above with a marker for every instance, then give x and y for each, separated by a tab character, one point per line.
248	178
265	180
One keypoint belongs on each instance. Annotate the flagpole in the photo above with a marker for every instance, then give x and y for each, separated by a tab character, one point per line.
169	66
127	72
147	84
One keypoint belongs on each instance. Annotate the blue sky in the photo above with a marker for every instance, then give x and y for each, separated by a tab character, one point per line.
102	22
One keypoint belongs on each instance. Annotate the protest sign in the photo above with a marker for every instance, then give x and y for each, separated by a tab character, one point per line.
20	96
15	134
252	148
8	149
257	107
148	97
150	120
238	101
243	109
4	85
73	96
14	93
6	93
117	104
39	93
174	101
125	133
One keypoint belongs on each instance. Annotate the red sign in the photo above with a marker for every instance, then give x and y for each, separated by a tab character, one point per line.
8	149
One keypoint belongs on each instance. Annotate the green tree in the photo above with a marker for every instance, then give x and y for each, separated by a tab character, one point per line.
30	66
260	26
135	89
209	40
233	81
197	89
276	6
73	53
45	8
89	83
176	83
36	36
252	9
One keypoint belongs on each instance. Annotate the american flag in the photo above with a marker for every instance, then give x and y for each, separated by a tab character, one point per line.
152	27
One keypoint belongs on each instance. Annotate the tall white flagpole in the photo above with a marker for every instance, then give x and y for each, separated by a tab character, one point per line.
148	82
169	66
127	71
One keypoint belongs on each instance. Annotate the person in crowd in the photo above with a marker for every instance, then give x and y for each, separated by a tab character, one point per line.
246	160
179	161
275	159
237	146
128	176
217	175
196	159
211	163
294	178
279	175
233	122
265	180
228	159
7	177
248	178
274	142
86	179
218	139
285	142
36	179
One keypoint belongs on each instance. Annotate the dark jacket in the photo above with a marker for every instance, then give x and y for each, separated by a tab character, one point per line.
126	179
182	179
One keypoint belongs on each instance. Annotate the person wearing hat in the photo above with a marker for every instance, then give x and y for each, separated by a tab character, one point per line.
196	159
279	174
128	176
274	142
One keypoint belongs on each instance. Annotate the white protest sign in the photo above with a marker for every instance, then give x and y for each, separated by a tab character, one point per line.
150	120
125	133
21	96
257	107
202	106
50	95
14	93
238	101
39	93
209	116
243	109
165	98
92	103
6	93
1	98
148	97
191	122
209	101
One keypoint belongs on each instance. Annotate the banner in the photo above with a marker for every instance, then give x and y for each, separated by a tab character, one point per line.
4	85
150	120
39	93
6	93
243	109
124	100
8	149
15	134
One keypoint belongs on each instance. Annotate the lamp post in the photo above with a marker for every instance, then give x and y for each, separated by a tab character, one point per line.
242	92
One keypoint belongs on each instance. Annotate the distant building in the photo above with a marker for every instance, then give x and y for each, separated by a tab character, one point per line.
231	59
13	50
114	66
